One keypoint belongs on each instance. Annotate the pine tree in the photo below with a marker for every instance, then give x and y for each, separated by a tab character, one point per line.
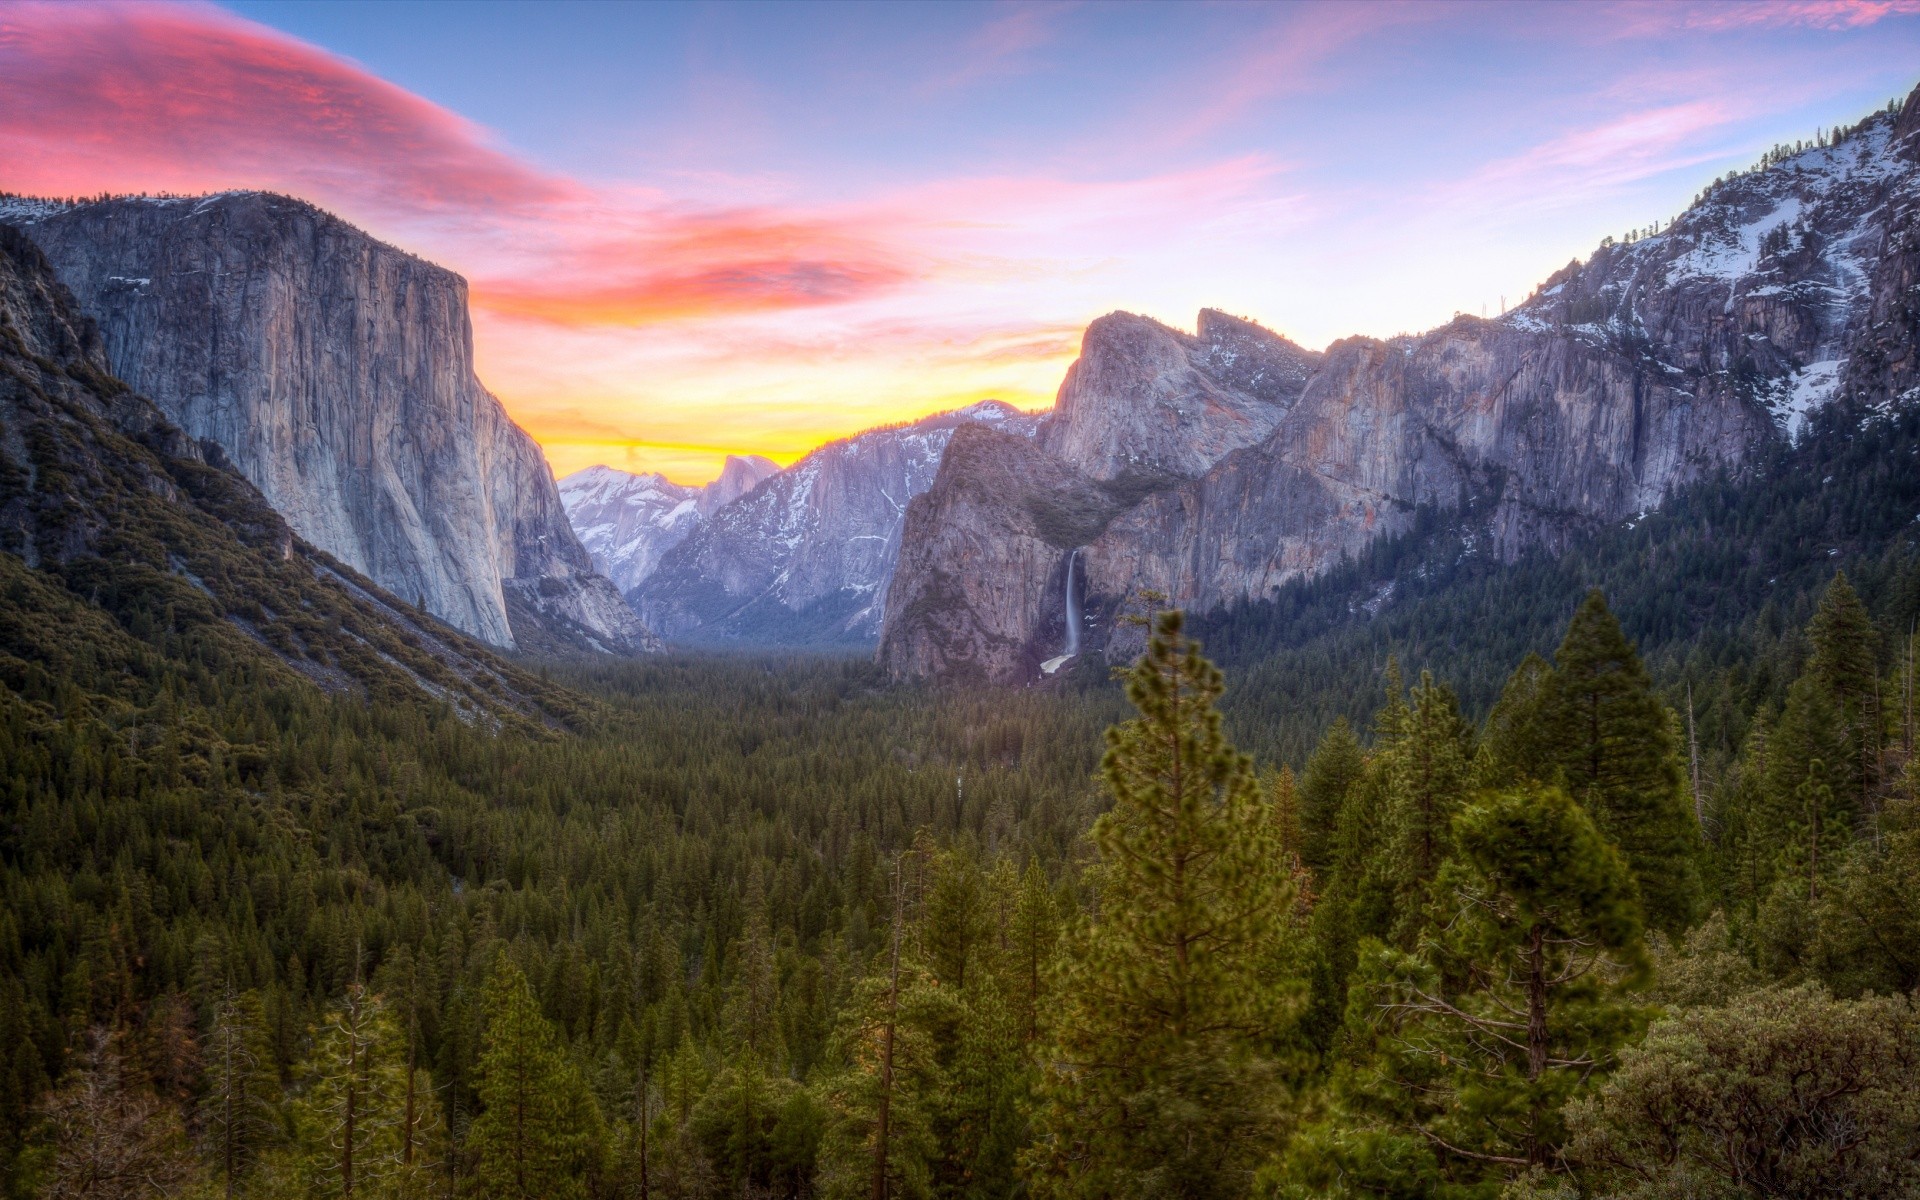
1468	1049
1845	664
239	1107
1034	935
108	1137
350	1116
538	1125
1613	745
1160	1075
1513	745
1335	767
1426	775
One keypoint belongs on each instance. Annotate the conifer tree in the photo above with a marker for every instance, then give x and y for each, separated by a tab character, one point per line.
1426	777
350	1118
1160	1077
1468	1049
239	1105
1513	747
538	1126
1034	935
1845	663
1614	748
1333	770
109	1138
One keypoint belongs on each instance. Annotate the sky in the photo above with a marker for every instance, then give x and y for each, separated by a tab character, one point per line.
709	229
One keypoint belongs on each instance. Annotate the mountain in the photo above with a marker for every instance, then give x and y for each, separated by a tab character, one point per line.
806	556
136	555
336	373
627	521
1645	368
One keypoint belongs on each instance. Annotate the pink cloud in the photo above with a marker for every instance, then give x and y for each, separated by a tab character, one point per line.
1002	44
1573	167
1284	60
190	98
1650	19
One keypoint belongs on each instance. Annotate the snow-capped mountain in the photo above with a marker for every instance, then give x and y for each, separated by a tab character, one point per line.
1754	290
628	522
806	556
1659	360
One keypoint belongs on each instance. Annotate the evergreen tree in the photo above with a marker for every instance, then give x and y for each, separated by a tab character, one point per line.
879	1138
1845	662
1513	746
1033	937
1161	1075
1613	744
350	1118
1467	1050
1335	767
1425	772
239	1107
538	1127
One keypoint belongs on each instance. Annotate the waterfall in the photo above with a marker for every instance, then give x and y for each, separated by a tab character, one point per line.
1073	608
1073	621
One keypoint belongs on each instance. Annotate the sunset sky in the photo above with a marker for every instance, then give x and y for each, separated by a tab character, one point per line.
709	229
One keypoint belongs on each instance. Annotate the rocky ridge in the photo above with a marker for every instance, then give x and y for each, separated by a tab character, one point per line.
627	522
806	556
336	373
1638	371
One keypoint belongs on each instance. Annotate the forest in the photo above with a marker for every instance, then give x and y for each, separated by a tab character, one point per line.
1611	896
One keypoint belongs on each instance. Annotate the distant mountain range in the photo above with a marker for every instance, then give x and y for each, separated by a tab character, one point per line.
335	374
800	556
1214	468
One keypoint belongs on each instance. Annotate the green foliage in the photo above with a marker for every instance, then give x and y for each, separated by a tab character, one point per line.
1162	1072
1782	1092
1466	1049
1610	741
538	1130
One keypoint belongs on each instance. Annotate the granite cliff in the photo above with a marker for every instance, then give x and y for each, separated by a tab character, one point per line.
126	544
336	373
1651	364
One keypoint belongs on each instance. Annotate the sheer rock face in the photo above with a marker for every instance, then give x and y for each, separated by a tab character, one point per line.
1650	365
628	522
337	374
122	517
807	555
1146	401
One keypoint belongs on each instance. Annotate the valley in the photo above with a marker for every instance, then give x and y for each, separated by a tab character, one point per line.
1477	764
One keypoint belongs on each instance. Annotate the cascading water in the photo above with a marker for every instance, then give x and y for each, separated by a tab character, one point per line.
1073	607
1073	621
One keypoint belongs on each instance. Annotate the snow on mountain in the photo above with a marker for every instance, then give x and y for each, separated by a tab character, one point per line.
627	521
807	555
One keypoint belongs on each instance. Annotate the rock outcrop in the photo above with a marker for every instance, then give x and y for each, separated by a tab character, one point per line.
1650	365
628	522
127	542
336	373
806	557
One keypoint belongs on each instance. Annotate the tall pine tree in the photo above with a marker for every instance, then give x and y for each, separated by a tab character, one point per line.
1614	747
538	1127
1161	1076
